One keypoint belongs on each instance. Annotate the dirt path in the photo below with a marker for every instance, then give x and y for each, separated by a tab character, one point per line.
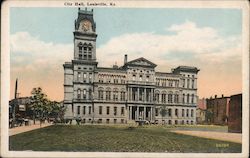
17	130
231	137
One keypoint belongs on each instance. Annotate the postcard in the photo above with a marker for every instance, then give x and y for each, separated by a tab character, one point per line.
125	78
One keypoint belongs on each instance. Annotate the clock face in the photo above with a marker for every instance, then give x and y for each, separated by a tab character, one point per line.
86	25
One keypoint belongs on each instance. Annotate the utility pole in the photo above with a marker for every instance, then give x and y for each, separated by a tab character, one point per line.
14	105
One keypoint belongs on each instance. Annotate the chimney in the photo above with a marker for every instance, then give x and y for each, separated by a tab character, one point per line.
125	59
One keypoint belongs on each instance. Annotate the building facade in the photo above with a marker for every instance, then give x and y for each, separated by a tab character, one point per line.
131	92
235	114
217	110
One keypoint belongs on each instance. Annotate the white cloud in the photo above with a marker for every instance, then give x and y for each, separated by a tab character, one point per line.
186	38
32	53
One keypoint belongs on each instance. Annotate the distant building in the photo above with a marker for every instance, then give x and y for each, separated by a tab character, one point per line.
134	91
202	103
200	116
235	114
20	105
217	110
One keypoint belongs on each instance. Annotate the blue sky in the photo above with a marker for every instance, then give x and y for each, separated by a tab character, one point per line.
210	39
57	24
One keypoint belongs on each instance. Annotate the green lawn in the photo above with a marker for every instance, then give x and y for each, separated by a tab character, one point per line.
115	139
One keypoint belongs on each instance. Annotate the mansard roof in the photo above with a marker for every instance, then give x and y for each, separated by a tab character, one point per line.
141	62
186	69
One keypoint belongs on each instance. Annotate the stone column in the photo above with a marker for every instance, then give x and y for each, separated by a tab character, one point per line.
151	113
151	95
138	93
144	113
130	93
145	94
137	111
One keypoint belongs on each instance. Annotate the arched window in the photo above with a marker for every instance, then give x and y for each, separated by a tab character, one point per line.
80	47
100	93
123	95
85	50
90	48
170	97
157	96
176	98
90	93
108	94
163	97
115	94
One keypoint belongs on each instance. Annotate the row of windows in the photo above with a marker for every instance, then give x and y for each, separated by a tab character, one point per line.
102	121
187	85
83	77
108	95
176	112
141	78
176	122
85	51
166	82
84	111
108	110
82	94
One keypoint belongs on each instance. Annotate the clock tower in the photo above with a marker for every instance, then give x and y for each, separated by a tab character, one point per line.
85	36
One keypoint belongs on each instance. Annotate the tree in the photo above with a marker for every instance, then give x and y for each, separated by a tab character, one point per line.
163	112
57	110
38	104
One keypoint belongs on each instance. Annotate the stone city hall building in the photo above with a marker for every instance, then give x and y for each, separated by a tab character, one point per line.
132	92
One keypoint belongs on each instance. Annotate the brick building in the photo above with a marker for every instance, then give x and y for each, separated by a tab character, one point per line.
235	114
217	110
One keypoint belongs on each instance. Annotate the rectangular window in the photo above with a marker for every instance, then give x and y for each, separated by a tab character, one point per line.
176	112
115	120
188	83
192	84
140	78
122	111
78	110
133	78
84	94
89	110
78	76
107	121
78	94
100	110
182	112
108	110
183	83
192	112
115	111
122	120
156	112
84	110
187	113
169	112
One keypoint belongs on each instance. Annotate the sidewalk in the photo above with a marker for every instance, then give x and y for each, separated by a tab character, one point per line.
230	137
17	130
